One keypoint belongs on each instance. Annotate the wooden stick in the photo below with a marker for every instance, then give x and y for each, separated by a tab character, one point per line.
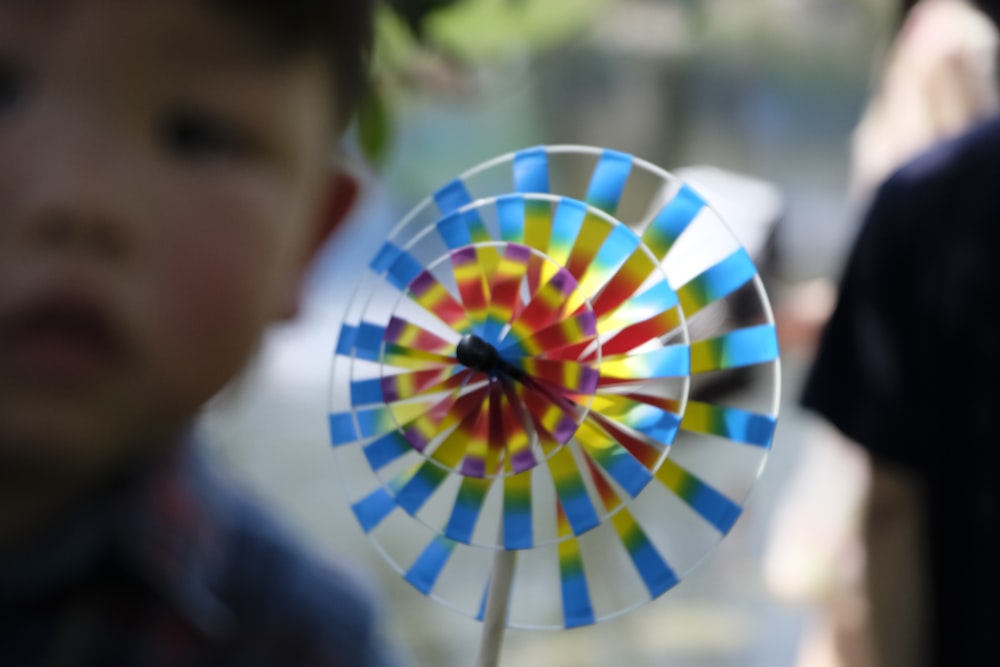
495	617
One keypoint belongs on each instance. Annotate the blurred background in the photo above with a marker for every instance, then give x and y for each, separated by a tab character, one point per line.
769	91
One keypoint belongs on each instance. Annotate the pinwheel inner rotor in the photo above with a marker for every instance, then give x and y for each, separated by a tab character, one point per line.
515	371
511	391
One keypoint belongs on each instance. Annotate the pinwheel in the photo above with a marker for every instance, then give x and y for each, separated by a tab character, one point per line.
514	401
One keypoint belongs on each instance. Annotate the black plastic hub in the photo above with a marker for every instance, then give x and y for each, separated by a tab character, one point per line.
477	354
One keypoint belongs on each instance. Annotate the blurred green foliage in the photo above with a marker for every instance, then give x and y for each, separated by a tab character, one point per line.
436	45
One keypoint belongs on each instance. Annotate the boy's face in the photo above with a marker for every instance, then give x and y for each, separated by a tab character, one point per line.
163	180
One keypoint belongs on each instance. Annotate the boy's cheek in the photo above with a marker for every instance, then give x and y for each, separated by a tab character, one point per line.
209	276
203	327
207	306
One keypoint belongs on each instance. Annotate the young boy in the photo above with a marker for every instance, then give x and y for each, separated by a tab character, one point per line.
165	177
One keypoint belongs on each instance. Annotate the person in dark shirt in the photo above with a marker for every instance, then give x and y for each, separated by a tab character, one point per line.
166	173
909	367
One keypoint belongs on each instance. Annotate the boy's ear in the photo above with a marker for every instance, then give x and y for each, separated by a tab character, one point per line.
341	194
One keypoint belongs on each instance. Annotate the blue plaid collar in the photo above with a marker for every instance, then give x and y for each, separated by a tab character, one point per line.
172	535
163	522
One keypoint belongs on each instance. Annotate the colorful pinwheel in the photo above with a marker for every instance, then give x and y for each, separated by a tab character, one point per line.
514	380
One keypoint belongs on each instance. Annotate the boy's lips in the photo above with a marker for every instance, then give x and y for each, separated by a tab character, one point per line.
62	340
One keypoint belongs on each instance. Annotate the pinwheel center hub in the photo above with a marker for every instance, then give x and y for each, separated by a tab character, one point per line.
477	354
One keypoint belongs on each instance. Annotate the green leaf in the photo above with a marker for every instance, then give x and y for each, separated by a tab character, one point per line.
375	127
480	30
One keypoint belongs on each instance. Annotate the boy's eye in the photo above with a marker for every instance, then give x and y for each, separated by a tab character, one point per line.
199	135
11	86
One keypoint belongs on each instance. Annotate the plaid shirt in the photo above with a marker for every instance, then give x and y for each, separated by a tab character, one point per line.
172	568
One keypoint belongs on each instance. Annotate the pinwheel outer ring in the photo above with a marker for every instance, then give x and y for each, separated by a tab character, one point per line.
753	427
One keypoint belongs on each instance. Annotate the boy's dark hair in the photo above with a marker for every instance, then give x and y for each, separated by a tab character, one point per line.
341	29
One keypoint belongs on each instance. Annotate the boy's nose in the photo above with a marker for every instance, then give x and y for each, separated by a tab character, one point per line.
66	230
73	198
